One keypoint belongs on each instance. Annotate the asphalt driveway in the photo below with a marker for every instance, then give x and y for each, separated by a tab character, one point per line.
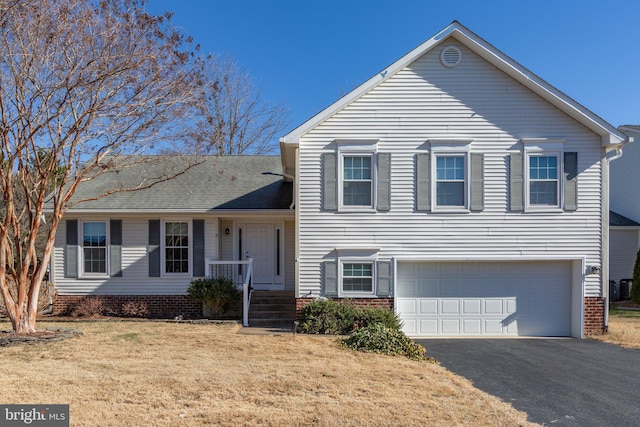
566	382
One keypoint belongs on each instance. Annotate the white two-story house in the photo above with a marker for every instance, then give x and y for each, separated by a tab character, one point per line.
454	187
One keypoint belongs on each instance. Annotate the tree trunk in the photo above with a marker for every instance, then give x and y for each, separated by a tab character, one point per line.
23	319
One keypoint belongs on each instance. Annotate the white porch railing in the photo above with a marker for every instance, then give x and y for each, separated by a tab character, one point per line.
239	272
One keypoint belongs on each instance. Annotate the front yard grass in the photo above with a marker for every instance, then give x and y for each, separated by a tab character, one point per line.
624	328
155	373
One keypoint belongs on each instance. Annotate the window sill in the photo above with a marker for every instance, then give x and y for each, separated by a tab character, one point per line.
451	210
553	210
93	277
357	210
357	295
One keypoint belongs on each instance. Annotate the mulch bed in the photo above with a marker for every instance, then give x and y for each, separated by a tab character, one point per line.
8	338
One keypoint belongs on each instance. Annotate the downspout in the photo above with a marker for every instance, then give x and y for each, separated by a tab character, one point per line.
605	240
293	196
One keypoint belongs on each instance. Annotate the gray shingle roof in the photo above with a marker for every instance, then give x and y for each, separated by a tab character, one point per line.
225	182
618	220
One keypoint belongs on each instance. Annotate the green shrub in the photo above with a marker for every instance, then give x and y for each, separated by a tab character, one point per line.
325	316
635	287
380	339
217	294
368	316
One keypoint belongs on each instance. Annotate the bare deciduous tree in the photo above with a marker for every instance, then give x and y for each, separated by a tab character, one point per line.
85	88
238	120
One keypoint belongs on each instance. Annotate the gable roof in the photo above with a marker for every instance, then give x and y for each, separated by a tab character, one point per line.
617	220
609	134
224	183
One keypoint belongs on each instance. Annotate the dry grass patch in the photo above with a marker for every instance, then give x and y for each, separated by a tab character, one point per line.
150	373
624	329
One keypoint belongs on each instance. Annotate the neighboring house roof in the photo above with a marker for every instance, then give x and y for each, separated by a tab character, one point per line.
609	134
617	220
630	127
218	183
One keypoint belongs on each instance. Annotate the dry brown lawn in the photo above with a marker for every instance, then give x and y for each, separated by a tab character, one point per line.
624	329
168	374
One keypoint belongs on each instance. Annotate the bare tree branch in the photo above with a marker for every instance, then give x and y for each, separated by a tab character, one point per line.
86	88
238	120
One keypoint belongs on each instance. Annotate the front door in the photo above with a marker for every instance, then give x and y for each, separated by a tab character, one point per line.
261	246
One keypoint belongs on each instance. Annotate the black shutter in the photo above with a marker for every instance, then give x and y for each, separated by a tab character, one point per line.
71	250
115	241
198	248
154	248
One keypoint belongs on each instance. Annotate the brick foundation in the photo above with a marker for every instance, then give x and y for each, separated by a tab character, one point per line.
360	302
157	306
594	316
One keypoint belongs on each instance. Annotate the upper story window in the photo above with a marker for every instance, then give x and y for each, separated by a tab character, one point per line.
544	183
543	186
450	180
176	247
450	175
94	248
357	181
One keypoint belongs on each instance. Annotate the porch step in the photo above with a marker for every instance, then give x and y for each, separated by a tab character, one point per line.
272	309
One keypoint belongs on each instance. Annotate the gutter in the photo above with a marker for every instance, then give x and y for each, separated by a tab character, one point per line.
605	287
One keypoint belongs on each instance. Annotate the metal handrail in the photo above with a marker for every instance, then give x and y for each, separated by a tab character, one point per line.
242	275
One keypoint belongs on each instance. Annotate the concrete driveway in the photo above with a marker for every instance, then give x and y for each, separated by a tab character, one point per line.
565	382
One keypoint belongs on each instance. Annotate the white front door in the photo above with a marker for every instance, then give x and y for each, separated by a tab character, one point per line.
261	246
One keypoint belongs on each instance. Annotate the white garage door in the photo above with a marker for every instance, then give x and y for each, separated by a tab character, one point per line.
484	298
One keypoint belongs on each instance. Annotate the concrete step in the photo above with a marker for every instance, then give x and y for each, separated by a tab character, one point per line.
271	323
272	307
290	315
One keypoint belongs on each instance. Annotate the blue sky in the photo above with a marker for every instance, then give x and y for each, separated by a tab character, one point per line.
306	54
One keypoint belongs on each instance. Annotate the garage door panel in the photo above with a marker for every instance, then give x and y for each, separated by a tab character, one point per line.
508	298
428	306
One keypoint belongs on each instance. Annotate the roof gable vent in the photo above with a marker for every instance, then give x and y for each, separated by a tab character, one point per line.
450	56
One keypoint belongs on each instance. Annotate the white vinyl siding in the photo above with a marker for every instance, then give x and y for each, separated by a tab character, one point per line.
474	101
135	278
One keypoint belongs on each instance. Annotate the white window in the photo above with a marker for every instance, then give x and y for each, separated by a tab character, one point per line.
94	252
357	175
357	182
544	182
451	182
543	172
176	251
357	278
450	175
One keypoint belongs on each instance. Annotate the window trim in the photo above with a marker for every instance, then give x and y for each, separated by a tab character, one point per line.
450	148
81	273
357	255
357	148
537	147
163	256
